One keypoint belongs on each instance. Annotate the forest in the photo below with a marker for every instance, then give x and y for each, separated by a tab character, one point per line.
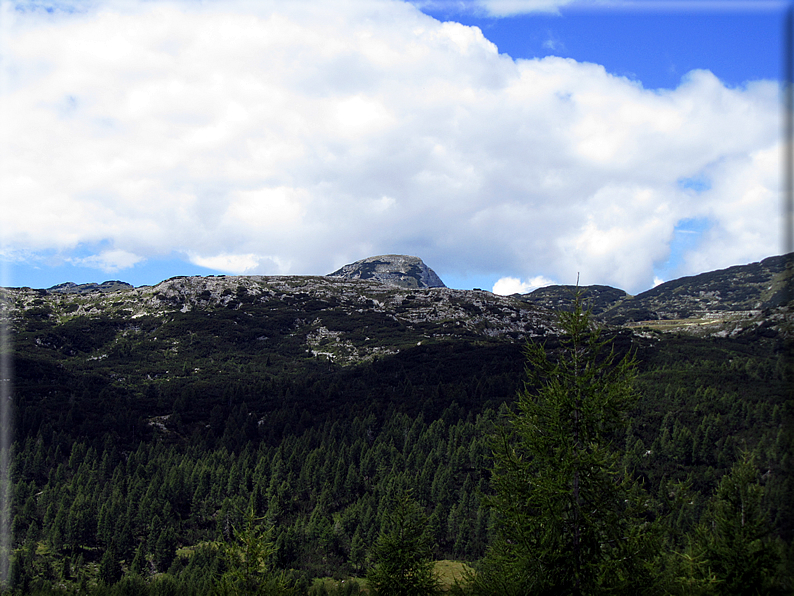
276	472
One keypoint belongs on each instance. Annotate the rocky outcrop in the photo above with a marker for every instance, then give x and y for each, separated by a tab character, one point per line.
343	320
105	287
393	270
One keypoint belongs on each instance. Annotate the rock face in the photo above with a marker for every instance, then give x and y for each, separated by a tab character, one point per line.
393	270
105	287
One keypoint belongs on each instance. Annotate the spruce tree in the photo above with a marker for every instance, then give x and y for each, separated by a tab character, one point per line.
139	563
165	549
569	519
732	551
248	559
109	567
403	555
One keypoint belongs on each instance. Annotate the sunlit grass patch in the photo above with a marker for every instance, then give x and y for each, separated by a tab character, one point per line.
450	571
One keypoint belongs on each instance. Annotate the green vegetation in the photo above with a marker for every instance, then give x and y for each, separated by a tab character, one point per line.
207	451
732	550
247	558
570	518
403	554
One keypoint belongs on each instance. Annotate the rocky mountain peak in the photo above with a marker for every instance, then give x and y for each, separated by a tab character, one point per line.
393	270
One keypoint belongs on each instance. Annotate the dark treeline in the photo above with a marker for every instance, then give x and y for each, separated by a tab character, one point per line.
141	486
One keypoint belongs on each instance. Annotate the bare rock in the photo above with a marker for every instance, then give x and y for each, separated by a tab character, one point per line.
393	270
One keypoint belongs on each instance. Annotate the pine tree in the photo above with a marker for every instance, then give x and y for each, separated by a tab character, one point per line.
138	565
569	519
732	551
248	561
403	555
109	567
165	549
357	549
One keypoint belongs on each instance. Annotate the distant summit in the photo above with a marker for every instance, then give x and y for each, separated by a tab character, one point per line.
599	299
741	290
105	287
394	270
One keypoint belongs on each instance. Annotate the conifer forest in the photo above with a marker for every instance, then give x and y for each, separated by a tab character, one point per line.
181	453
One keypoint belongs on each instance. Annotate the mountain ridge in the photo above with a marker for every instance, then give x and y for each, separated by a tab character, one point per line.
737	293
722	301
411	272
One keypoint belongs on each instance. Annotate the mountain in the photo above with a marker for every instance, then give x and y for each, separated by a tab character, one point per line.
754	287
725	301
148	420
402	288
335	316
599	298
212	332
96	363
393	270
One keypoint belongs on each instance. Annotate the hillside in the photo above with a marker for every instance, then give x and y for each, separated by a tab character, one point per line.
210	333
147	419
725	302
600	299
754	287
350	319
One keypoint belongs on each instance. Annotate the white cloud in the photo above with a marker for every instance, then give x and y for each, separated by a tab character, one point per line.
295	137
108	261
225	262
507	286
744	204
264	208
554	44
505	8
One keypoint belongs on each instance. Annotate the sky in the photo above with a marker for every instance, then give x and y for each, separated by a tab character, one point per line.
508	143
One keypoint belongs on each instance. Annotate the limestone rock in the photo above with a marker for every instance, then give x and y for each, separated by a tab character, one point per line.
105	287
393	270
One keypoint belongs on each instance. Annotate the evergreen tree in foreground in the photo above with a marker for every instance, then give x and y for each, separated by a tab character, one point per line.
403	555
569	519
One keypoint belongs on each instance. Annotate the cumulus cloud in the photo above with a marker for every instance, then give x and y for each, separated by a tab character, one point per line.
296	137
237	264
507	286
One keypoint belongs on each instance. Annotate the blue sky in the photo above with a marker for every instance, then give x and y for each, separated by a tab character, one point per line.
653	47
629	145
